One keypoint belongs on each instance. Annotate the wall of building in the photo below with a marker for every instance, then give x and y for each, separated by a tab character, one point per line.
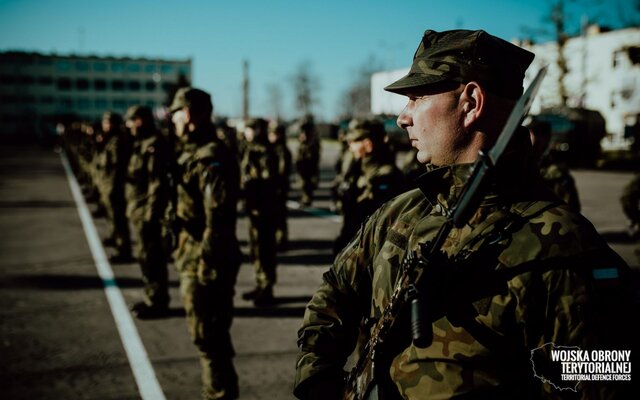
35	89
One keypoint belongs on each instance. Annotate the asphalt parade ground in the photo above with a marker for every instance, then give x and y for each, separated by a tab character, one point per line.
65	329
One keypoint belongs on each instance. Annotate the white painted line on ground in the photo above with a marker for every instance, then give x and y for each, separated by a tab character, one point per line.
317	212
143	372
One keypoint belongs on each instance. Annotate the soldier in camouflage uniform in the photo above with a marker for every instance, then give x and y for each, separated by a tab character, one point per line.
278	140
112	165
147	193
308	160
460	90
208	255
553	168
259	181
370	181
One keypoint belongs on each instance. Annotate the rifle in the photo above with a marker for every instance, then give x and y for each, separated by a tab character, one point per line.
361	381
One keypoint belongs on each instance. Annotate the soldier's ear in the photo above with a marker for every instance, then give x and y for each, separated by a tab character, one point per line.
472	102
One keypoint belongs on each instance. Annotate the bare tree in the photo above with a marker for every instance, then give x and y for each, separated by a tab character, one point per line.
356	101
305	86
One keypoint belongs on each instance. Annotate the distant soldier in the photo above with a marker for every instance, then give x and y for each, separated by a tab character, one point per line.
278	140
259	181
112	167
147	195
371	179
208	255
308	160
553	168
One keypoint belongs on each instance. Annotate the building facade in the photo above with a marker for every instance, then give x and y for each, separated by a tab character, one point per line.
603	75
38	90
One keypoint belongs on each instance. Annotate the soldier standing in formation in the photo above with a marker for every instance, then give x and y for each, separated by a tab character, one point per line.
259	182
278	140
308	160
370	180
147	193
553	168
480	327
112	164
208	255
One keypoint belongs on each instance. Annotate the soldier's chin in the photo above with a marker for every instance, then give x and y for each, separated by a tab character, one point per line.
423	157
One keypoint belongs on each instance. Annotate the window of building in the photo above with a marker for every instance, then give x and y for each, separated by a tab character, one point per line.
117	84
45	80
150	86
64	84
84	104
46	100
7	79
82	66
167	86
134	102
166	68
133	67
66	102
117	67
26	80
183	70
100	84
134	86
150	68
119	104
102	104
82	84
100	66
150	103
62	65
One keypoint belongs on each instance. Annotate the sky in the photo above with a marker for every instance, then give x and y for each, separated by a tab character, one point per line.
334	38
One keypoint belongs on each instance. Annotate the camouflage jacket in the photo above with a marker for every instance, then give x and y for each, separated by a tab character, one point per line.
559	179
283	158
114	161
259	178
147	188
207	197
484	350
308	157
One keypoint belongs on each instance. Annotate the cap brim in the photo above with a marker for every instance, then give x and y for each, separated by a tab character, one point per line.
412	81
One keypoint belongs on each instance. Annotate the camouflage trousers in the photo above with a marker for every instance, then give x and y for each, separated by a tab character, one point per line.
262	236
309	184
153	261
209	312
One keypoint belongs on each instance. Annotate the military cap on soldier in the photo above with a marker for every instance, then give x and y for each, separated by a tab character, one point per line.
197	100
113	117
360	129
463	56
140	111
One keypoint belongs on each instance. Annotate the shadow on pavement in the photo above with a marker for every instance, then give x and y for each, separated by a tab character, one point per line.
280	312
618	237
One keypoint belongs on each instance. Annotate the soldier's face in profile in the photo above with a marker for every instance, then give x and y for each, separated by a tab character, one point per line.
433	122
106	125
249	134
179	119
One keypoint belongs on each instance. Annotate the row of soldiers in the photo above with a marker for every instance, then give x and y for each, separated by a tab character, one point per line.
179	188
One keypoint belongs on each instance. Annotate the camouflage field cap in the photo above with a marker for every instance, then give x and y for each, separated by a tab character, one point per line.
112	117
464	56
360	129
192	98
140	111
